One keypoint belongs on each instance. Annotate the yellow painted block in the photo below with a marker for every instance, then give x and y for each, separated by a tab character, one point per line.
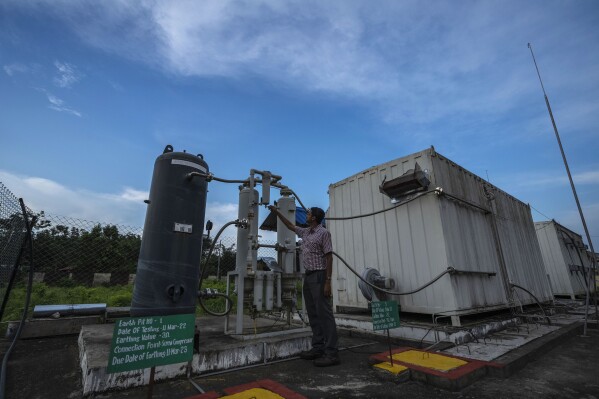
429	360
395	369
254	393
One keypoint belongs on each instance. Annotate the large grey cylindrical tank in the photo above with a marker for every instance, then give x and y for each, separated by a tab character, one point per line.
171	246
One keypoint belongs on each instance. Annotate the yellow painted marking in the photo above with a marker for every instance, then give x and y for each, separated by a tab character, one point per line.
395	369
254	393
429	360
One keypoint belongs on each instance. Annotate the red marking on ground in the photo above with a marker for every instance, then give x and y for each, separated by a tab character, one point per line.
270	385
454	374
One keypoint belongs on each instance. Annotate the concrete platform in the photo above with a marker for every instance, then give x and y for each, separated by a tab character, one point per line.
48	327
480	345
498	354
216	352
560	364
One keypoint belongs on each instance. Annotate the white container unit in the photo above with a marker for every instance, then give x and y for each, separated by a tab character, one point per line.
566	259
415	242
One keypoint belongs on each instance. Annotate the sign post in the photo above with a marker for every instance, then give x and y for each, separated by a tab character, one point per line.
146	342
385	316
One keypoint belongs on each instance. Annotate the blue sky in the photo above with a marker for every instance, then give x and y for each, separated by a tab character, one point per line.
91	92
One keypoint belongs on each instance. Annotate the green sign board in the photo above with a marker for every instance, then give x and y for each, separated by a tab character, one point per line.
384	315
143	342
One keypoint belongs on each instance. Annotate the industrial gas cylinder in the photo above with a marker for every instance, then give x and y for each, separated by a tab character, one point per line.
171	247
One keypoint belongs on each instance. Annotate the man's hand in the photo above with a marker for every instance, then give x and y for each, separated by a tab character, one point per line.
286	222
327	288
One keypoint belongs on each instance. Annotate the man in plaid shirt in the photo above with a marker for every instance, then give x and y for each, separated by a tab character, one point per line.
317	259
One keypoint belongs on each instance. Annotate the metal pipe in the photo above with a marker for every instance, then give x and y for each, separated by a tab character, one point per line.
274	246
279	303
499	250
88	309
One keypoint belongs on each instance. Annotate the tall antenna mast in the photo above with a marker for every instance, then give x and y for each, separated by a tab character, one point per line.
584	223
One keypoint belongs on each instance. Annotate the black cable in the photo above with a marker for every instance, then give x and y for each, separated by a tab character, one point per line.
574	246
584	274
465	201
536	300
422	340
382	210
448	270
203	272
27	300
541	213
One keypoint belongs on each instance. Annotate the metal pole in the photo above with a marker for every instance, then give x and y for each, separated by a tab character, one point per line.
151	383
390	352
584	224
220	252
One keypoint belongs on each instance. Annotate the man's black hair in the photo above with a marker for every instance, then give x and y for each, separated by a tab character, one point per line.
317	213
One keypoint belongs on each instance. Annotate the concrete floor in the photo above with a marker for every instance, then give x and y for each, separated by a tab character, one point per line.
49	368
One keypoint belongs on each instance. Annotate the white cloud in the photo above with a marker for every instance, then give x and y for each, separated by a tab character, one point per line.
571	219
126	207
44	194
558	178
13	69
131	194
587	177
67	74
415	62
58	104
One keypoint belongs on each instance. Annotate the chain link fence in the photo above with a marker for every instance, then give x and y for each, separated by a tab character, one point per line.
72	256
12	236
75	252
72	252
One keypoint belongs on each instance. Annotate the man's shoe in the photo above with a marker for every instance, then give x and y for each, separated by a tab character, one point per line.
311	354
326	361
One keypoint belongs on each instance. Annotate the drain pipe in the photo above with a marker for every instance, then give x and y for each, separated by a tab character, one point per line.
502	265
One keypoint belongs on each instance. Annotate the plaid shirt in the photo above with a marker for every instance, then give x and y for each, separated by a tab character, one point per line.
316	244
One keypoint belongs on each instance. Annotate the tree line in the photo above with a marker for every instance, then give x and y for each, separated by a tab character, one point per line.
63	251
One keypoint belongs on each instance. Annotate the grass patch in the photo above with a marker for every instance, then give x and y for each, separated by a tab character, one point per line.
118	296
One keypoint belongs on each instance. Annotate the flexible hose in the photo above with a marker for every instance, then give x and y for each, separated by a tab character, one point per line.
228	181
448	270
210	177
298	199
27	300
203	272
536	300
438	191
383	210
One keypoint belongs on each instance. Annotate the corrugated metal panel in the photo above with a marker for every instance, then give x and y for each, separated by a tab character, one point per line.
558	254
413	243
405	243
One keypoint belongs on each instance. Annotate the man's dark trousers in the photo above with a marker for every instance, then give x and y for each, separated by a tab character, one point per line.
320	313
